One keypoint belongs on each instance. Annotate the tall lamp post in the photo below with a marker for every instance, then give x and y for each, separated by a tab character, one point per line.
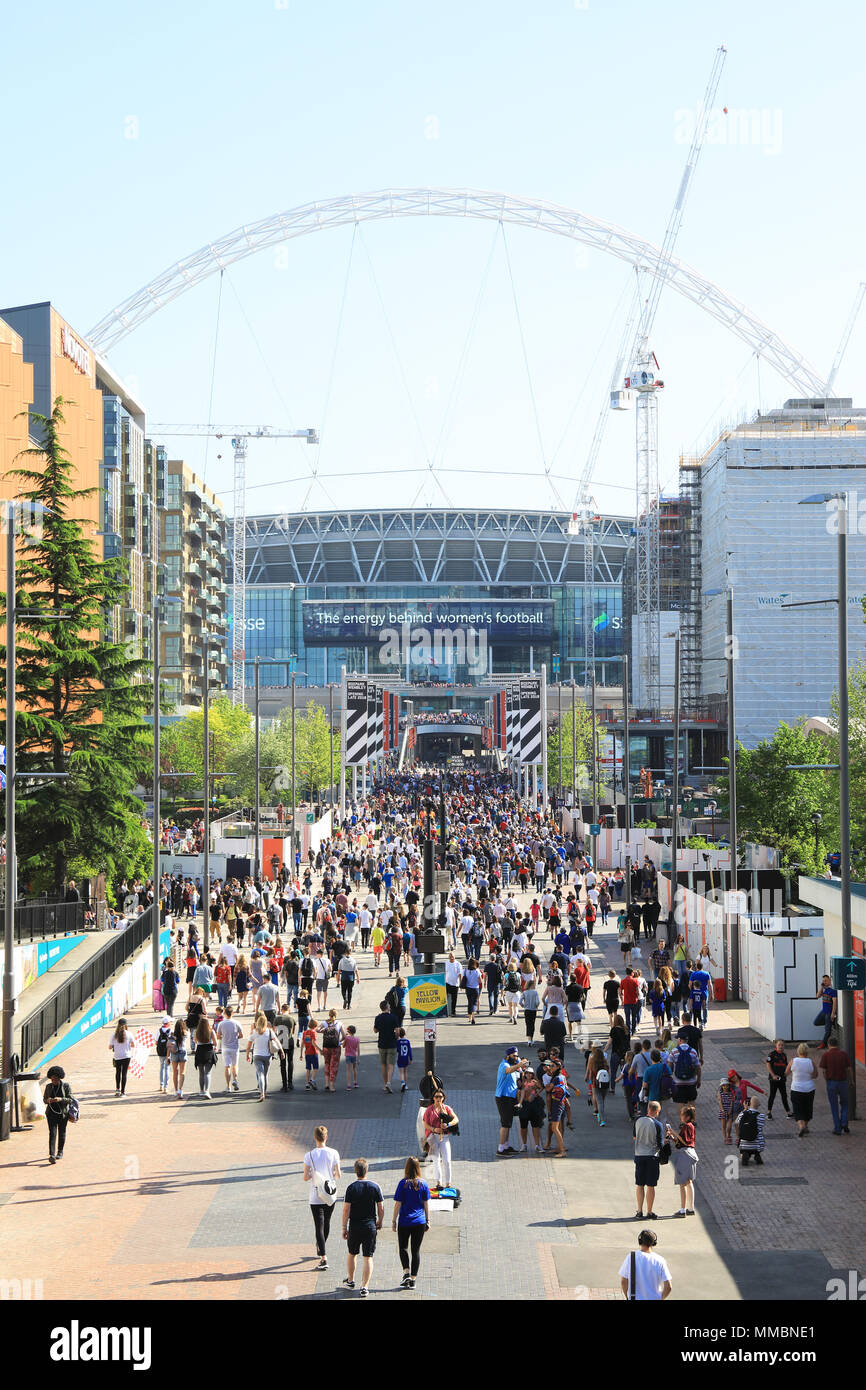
841	517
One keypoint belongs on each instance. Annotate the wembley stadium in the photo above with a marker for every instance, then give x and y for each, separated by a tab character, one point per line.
329	590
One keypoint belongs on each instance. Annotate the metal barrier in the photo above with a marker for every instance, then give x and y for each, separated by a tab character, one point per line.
39	917
71	996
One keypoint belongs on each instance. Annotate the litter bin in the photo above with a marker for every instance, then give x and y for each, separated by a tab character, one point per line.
720	991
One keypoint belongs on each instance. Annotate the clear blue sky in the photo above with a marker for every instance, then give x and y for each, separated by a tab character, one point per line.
241	110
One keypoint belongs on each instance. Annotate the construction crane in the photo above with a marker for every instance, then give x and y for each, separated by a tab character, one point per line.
849	329
239	439
643	379
641	385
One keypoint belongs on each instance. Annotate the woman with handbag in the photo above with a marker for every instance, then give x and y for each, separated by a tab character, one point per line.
60	1107
322	1172
262	1046
205	1054
685	1159
441	1125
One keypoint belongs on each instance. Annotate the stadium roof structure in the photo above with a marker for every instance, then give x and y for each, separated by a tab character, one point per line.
431	546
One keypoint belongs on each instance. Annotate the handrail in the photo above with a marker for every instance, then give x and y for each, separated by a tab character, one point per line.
41	1025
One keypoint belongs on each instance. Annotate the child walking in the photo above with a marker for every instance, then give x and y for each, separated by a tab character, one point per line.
352	1050
404	1057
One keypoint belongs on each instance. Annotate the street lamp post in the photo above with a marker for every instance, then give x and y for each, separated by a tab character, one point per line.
626	751
205	894
847	1000
331	734
11	874
676	788
258	801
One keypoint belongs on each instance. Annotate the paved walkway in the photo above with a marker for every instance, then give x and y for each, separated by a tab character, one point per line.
156	1197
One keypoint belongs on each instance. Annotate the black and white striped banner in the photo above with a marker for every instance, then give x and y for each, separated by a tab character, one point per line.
530	721
375	721
512	722
356	722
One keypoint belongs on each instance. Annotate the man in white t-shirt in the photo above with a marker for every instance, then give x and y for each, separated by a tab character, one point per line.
322	1172
652	1278
229	1033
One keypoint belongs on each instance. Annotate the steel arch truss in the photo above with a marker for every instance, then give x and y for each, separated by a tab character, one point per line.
430	547
447	202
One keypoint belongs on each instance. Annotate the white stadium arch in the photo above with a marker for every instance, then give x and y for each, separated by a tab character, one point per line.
449	202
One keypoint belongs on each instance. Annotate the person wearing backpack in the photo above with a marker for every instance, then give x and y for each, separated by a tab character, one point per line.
749	1126
332	1040
162	1040
686	1069
511	991
649	1141
60	1107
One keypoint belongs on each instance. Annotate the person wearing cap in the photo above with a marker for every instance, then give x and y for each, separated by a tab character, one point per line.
506	1096
162	1038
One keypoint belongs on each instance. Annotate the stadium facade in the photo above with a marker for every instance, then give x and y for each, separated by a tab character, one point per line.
382	591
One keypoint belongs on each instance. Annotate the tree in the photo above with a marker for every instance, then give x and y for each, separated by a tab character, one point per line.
312	757
81	700
775	805
182	749
582	745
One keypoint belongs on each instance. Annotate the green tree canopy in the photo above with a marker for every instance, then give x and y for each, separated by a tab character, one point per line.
775	805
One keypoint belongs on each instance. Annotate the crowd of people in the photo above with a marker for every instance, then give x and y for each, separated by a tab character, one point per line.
269	969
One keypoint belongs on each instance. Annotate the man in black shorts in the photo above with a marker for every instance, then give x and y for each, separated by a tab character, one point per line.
363	1214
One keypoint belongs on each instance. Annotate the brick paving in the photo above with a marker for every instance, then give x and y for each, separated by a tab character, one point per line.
157	1198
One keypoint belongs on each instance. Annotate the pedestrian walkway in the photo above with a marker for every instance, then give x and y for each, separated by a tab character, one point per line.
205	1199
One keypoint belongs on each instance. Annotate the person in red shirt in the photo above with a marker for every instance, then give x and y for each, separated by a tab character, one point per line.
836	1066
311	1053
630	995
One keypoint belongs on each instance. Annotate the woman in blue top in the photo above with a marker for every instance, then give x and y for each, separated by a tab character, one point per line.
411	1219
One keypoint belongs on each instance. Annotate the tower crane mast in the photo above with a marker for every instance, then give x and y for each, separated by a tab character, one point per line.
239	439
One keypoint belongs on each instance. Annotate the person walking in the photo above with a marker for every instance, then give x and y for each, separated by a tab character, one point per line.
803	1074
349	976
332	1041
385	1027
170	981
322	976
440	1123
453	979
177	1053
121	1048
322	1172
284	1026
363	1214
205	1055
836	1066
531	1000
311	1051
472	981
59	1102
229	1033
411	1219
162	1041
644	1276
263	1045
777	1066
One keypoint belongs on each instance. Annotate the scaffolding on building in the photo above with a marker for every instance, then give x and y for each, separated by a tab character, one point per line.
691	603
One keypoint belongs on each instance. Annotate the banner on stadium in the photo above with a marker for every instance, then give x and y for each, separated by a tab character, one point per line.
427	996
500	709
365	622
356	722
374	721
530	721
